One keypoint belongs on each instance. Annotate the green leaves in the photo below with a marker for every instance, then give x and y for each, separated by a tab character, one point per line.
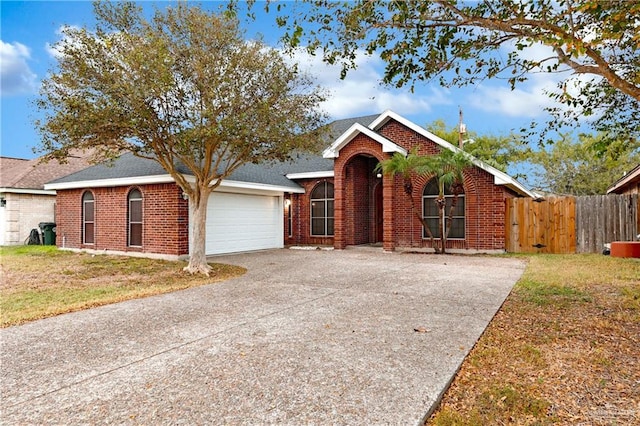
184	85
587	166
461	43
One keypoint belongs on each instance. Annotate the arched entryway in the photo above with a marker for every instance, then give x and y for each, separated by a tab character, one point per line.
363	212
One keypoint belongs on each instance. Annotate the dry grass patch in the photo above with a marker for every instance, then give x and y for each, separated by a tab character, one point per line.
563	349
42	281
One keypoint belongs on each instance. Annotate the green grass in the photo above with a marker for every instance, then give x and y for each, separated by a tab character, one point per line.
541	293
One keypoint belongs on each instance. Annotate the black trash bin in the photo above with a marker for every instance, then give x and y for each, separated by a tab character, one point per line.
48	230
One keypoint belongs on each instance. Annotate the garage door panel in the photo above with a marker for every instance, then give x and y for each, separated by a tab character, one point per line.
241	222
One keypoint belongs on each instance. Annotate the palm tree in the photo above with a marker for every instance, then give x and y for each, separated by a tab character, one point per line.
446	167
406	166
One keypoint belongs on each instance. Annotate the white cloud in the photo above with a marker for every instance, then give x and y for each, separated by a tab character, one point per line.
529	99
56	50
16	77
361	93
526	100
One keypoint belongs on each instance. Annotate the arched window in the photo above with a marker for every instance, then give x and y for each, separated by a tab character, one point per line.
134	218
322	210
88	218
430	211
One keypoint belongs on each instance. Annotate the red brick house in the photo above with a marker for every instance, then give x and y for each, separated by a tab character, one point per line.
335	199
629	184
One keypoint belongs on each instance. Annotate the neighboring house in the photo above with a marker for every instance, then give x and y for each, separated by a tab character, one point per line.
134	206
627	184
24	202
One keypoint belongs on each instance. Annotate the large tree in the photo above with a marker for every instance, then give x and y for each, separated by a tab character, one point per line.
182	88
583	167
465	42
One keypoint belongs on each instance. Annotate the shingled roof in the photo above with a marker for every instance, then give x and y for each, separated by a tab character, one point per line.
17	173
130	166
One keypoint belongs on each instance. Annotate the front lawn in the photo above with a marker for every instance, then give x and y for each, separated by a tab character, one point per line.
563	349
42	281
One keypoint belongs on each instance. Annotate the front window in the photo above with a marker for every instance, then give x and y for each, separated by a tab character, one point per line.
430	211
322	210
134	218
289	207
88	218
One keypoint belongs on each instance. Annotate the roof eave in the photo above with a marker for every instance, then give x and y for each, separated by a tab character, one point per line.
310	175
157	179
101	183
625	180
27	191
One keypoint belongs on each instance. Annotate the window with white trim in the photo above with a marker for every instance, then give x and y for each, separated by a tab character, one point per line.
134	218
289	205
88	218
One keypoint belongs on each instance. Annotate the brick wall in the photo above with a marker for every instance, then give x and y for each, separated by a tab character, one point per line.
301	210
355	215
484	201
165	228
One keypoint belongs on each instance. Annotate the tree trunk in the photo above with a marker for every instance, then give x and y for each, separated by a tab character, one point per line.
441	202
452	208
198	208
408	190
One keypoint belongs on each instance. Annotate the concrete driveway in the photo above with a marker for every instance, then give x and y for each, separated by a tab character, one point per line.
305	337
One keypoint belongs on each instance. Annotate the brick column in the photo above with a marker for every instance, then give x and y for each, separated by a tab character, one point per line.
388	223
339	242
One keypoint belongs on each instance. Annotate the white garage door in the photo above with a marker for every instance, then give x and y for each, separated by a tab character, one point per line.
241	222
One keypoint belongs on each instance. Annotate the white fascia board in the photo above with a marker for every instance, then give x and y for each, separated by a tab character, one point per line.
624	180
353	131
233	185
27	191
146	180
390	115
500	178
101	183
343	139
310	175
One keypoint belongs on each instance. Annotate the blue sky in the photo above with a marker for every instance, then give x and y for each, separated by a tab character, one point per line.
29	28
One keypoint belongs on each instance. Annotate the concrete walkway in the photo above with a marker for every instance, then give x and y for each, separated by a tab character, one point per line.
305	337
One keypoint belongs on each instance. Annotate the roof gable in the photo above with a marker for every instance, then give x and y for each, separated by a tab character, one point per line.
499	177
387	145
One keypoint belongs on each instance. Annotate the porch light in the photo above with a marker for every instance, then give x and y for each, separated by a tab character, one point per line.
379	175
287	202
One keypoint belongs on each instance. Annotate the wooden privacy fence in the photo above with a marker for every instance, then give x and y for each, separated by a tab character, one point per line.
570	224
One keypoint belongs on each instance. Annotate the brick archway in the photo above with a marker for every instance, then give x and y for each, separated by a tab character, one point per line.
359	214
359	197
